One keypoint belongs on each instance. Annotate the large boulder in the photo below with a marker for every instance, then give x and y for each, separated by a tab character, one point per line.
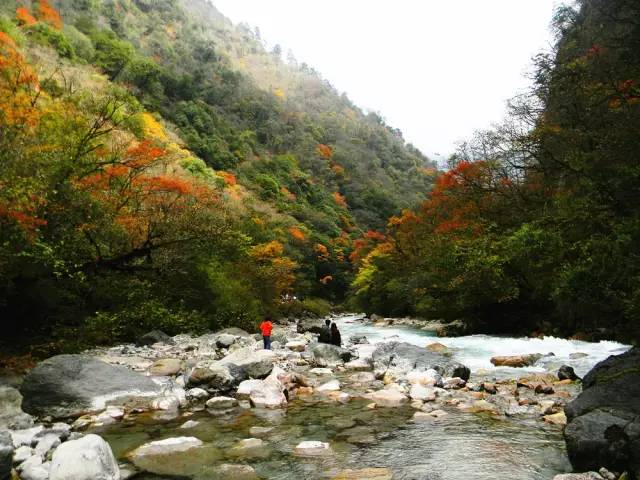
6	455
400	358
250	363
313	325
325	355
603	422
154	336
72	385
87	458
181	457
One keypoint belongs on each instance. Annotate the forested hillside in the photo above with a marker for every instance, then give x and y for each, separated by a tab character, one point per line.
536	227
161	169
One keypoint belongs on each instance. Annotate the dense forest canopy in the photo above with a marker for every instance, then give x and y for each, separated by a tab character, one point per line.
162	169
536	226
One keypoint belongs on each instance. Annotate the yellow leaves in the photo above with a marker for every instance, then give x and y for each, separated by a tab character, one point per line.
267	251
152	128
279	93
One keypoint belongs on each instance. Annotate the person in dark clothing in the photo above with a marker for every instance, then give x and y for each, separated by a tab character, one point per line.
325	334
336	339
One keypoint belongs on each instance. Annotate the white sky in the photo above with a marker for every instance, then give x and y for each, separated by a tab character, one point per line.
436	69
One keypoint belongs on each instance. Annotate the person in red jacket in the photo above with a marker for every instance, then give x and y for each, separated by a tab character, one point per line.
265	327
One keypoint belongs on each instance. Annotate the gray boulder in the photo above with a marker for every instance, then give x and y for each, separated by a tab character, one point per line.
250	363
72	385
154	336
603	422
401	358
6	455
313	325
88	458
235	331
11	414
325	355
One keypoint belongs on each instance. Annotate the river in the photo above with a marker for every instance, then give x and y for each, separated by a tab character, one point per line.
457	446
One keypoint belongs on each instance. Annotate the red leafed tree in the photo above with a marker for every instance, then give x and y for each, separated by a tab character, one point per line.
325	151
46	13
24	17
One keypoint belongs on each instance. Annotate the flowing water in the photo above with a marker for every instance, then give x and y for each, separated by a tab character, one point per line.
457	446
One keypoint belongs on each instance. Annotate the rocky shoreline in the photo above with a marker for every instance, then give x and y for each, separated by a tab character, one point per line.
43	426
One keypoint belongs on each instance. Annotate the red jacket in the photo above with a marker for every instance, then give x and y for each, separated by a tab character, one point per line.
265	328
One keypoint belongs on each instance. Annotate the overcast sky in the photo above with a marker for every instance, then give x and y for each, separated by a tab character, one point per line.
436	69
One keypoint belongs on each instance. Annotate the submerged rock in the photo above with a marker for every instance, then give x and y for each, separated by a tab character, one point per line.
313	449
388	398
228	471
87	458
603	422
183	456
72	385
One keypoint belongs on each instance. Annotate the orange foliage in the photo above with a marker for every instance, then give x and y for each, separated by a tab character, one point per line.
24	17
339	199
288	195
297	234
18	87
46	13
229	178
322	252
325	151
338	170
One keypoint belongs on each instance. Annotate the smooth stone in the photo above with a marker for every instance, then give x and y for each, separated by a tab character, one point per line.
21	454
166	367
321	371
250	448
87	458
246	387
296	346
567	373
388	398
221	402
516	361
197	394
420	392
399	358
330	386
35	469
359	364
311	448
26	436
228	471
556	418
190	424
47	443
437	348
260	431
178	456
362	377
428	377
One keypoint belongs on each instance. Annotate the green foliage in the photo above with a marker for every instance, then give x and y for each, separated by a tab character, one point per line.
46	35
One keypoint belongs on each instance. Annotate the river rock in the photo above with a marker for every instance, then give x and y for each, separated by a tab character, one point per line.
72	385
401	358
330	386
6	455
358	340
166	367
313	325
516	361
268	394
437	348
325	355
87	458
34	469
251	363
179	456
221	402
556	418
359	364
567	373
235	331
229	471
214	376
47	443
11	414
225	340
249	448
313	449
296	345
155	336
197	394
603	422
457	328
365	474
420	392
388	398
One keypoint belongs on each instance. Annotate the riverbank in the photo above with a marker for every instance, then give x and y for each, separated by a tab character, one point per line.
201	407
